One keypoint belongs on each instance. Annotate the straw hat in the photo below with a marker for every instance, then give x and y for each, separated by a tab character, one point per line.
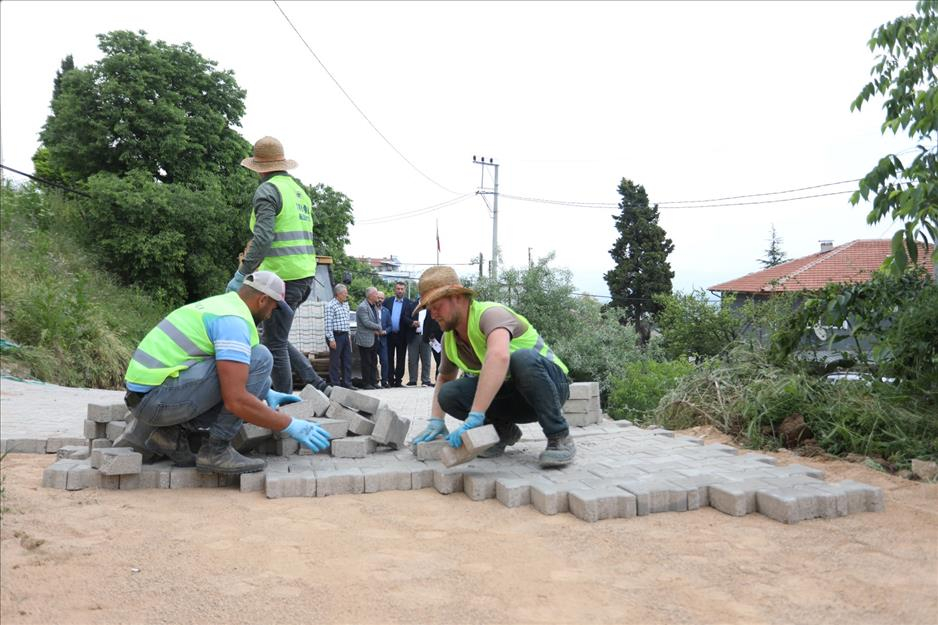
439	281
268	156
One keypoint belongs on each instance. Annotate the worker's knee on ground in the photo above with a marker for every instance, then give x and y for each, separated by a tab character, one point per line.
261	359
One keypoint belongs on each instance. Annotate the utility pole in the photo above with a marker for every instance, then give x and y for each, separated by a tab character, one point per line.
493	271
530	264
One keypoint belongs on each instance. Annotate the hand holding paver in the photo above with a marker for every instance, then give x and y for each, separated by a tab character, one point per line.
274	398
308	434
435	429
474	420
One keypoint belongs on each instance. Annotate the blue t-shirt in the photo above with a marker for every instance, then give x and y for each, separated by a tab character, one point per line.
231	337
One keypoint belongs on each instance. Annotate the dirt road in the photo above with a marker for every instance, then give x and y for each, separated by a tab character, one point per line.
219	556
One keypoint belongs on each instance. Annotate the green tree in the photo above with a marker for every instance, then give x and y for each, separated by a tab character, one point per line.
691	326
641	259
905	74
160	108
774	254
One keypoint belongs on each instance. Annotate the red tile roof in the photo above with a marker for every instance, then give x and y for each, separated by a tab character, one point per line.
850	262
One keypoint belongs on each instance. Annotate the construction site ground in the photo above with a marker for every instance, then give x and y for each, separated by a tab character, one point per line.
222	556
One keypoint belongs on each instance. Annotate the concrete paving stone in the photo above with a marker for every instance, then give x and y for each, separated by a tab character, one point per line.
105	482
100	443
353	447
579	420
862	497
340	482
336	428
277	464
596	505
830	501
104	413
736	498
299	464
760	458
279	485
313	396
94	429
184	477
298	410
479	486
253	482
390	429
651	496
74	452
286	447
83	476
117	461
479	439
355	400
250	436
584	390
551	498
24	446
56	474
513	492
130	482
357	424
450	456
156	475
53	444
780	504
114	429
800	469
447	481
378	479
784	481
577	406
429	450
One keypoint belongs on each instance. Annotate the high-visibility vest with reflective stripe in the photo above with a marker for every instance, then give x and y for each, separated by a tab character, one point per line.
529	340
292	254
181	340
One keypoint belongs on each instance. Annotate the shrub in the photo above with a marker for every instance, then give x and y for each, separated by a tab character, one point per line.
644	383
691	325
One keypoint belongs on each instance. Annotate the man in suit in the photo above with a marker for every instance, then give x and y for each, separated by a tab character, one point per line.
402	326
383	339
369	327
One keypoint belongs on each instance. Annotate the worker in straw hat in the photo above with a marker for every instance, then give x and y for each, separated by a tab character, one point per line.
510	375
282	224
203	367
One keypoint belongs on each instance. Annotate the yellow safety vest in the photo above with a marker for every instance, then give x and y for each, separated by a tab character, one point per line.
292	254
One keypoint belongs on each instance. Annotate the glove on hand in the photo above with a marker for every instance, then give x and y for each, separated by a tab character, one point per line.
308	434
235	283
435	428
274	398
474	420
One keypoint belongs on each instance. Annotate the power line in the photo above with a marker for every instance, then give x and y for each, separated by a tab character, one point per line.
737	197
610	205
47	182
357	108
415	212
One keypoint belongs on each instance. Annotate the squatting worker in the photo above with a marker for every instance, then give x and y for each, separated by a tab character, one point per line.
204	367
510	375
282	242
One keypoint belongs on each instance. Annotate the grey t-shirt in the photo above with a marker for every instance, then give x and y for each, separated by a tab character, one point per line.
492	319
267	205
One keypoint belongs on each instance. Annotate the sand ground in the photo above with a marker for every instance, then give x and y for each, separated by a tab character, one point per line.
219	556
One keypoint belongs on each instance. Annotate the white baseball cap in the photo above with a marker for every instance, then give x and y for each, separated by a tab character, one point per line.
268	283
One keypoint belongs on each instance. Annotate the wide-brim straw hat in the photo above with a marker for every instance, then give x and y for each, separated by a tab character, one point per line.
437	282
268	156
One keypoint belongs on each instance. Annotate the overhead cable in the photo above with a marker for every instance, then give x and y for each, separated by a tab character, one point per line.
415	212
358	108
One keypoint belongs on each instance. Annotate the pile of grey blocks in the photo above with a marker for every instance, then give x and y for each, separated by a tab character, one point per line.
583	407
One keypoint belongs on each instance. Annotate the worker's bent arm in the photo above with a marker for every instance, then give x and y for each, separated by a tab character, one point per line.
494	369
436	411
233	379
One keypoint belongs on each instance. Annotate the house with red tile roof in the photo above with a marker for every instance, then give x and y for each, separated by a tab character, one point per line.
848	263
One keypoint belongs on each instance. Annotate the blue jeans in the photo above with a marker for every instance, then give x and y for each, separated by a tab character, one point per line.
275	334
382	344
535	390
195	397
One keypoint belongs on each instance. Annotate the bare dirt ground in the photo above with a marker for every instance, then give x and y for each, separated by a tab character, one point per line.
219	556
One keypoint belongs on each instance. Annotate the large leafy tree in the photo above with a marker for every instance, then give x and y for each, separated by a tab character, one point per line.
156	107
905	74
641	259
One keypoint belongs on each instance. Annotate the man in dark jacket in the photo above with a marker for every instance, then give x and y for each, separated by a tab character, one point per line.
402	326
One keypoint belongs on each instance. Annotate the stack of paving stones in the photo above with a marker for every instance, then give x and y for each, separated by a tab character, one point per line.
583	407
620	470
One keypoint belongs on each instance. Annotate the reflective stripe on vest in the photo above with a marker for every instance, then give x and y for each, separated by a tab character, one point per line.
529	340
292	254
181	340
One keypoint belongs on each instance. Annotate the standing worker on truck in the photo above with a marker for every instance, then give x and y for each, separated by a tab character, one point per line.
282	224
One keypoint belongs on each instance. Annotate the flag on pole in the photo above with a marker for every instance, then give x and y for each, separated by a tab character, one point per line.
437	236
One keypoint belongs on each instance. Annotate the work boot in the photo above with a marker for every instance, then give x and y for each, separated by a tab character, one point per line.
560	451
496	450
173	443
219	456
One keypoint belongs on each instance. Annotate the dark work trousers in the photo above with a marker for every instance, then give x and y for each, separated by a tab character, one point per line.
536	390
275	334
369	357
340	360
195	397
382	344
397	355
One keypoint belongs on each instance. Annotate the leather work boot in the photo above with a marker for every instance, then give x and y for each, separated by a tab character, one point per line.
560	451
219	456
173	443
508	440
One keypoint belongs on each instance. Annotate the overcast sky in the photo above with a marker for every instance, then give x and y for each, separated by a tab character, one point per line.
692	100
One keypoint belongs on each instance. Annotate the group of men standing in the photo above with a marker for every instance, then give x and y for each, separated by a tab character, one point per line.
205	366
389	333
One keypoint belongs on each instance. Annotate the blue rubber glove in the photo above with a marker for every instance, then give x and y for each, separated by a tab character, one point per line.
235	283
308	434
435	429
274	398
474	420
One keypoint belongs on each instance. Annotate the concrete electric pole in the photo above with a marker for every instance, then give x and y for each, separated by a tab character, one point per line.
493	272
